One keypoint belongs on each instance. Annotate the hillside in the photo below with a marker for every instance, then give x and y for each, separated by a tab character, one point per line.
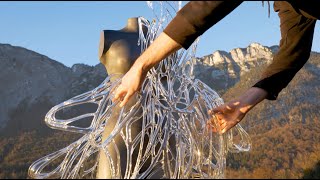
285	133
32	83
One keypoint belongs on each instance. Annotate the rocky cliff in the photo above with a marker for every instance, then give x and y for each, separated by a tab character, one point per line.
225	68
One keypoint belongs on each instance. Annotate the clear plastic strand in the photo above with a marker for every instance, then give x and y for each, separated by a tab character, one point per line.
173	141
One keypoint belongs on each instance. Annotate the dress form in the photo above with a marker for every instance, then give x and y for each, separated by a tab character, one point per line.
118	49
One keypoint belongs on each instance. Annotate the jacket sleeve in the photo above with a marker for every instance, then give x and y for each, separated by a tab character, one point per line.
196	17
295	47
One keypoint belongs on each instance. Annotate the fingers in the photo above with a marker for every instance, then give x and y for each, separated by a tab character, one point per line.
215	128
219	115
226	125
211	127
214	111
126	98
119	93
221	128
123	95
225	128
223	124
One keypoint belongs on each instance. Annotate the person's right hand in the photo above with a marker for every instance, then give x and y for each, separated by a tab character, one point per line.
131	83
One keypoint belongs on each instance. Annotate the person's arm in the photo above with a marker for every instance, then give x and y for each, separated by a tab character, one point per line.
196	17
190	22
295	47
161	48
231	113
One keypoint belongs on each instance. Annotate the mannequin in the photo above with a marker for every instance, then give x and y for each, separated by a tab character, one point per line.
118	49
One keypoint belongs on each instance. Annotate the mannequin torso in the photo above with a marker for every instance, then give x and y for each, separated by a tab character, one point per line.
118	49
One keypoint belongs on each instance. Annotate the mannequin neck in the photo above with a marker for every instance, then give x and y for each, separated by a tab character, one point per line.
132	25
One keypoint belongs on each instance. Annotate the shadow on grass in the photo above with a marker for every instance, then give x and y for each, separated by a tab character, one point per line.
312	173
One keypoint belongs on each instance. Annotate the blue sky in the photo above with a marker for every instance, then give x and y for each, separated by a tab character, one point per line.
69	31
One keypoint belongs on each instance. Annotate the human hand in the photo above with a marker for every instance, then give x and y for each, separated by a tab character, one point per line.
130	83
228	115
231	113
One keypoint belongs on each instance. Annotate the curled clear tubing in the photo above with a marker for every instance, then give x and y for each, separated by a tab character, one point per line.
174	137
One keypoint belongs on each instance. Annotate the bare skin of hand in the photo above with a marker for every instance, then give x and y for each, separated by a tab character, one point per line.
132	81
231	113
228	115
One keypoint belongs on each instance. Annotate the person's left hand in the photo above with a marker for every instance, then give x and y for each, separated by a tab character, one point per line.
231	113
228	115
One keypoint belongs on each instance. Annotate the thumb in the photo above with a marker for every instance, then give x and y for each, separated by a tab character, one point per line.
215	110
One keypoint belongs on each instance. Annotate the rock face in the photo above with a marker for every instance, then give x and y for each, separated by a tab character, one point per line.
31	83
27	75
225	68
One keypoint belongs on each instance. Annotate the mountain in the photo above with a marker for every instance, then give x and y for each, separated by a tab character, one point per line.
285	133
32	83
225	68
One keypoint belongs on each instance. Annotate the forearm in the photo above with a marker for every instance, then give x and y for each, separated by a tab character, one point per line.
295	46
250	98
161	48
